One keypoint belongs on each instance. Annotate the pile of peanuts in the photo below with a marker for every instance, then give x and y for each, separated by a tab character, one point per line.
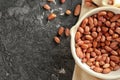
97	41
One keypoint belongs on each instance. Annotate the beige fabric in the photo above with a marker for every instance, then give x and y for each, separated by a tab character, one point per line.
79	74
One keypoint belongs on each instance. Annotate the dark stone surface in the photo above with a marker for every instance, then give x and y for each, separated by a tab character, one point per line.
27	49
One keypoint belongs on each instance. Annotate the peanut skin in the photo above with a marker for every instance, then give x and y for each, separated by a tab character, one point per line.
79	52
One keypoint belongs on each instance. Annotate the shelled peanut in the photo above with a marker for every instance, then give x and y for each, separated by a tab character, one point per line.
46	6
110	2
62	1
97	41
77	10
61	31
50	0
88	3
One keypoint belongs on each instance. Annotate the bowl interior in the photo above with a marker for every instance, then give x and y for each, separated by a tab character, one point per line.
112	75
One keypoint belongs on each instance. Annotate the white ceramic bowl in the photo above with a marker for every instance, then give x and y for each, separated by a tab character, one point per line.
112	75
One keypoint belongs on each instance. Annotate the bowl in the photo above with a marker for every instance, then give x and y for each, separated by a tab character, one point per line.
110	76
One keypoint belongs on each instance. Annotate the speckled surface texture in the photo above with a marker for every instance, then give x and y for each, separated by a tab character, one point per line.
27	49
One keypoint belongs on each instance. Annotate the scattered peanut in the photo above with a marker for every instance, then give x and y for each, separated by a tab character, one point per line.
52	16
88	4
62	1
67	32
57	39
47	7
50	0
61	30
77	10
68	12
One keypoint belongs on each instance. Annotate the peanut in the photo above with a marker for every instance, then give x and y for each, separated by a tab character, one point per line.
103	51
107	43
117	30
52	16
104	29
98	29
93	54
111	32
95	44
88	0
84	60
104	58
98	69
92	67
107	60
79	52
84	22
61	30
90	50
97	64
106	65
56	39
88	37
77	36
102	44
113	24
84	46
115	36
89	63
92	59
77	10
97	52
62	1
106	70
103	38
115	59
88	4
50	0
114	52
95	21
107	23
116	68
80	42
110	14
99	23
67	32
81	30
112	63
102	13
108	48
68	12
90	20
47	7
115	18
110	2
109	38
94	29
98	58
87	29
94	34
101	63
118	40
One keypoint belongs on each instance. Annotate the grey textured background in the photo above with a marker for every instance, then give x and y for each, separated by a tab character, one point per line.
27	49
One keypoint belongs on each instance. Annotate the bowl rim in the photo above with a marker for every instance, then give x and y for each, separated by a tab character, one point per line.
72	33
